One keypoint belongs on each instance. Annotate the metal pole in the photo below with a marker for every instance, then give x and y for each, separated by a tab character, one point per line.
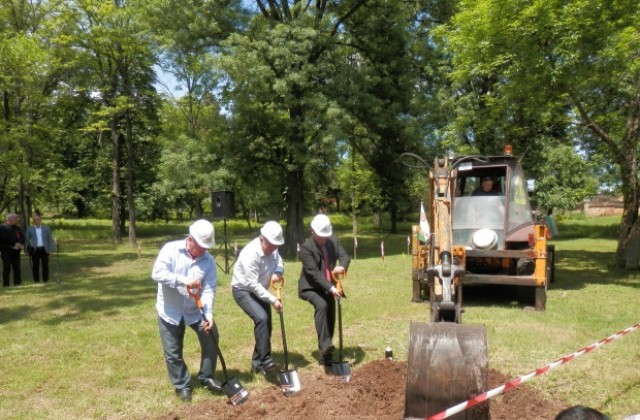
226	248
57	261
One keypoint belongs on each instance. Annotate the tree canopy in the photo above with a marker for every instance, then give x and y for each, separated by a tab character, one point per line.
294	105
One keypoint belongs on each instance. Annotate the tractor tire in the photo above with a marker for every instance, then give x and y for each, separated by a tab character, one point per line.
541	298
533	296
551	264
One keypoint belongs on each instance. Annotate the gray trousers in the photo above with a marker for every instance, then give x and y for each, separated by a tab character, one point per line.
172	338
260	313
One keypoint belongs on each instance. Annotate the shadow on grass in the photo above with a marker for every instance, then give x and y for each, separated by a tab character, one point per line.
575	269
69	302
115	296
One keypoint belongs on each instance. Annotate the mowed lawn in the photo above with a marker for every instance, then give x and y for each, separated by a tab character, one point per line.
88	347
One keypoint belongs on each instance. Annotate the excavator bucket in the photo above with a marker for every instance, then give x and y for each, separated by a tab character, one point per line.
447	365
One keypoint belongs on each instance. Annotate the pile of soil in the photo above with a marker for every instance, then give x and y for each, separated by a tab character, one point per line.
376	391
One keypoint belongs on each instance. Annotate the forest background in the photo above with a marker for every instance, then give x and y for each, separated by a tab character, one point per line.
294	106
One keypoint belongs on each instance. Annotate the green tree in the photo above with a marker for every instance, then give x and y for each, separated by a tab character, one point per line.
29	87
116	47
277	69
378	93
547	53
188	37
565	179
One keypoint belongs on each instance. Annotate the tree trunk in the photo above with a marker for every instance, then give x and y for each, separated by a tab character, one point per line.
393	215
632	251
294	231
115	182
628	252
130	184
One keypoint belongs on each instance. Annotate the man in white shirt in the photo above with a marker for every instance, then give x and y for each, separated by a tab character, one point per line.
259	264
181	266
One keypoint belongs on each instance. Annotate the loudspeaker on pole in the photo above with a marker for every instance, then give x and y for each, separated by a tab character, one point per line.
222	204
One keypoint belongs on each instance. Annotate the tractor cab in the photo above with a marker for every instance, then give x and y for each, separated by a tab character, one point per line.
490	203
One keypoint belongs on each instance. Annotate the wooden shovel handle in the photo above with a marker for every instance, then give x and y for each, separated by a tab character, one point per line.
194	292
337	279
277	286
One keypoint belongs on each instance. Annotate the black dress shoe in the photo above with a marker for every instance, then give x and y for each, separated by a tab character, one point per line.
259	369
326	360
270	366
211	384
328	351
184	394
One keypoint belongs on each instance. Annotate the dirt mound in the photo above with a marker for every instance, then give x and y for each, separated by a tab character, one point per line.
375	391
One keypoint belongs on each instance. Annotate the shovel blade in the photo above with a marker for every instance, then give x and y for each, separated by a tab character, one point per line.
341	369
235	392
290	382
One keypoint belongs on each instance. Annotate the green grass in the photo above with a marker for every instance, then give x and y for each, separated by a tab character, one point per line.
89	347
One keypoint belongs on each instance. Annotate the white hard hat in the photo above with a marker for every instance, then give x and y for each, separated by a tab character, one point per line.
203	233
272	232
321	225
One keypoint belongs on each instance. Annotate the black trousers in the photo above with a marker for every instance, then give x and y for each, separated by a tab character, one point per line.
324	316
39	257
260	313
11	260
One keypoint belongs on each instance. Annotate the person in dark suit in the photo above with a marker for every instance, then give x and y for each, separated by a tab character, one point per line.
11	241
321	255
39	244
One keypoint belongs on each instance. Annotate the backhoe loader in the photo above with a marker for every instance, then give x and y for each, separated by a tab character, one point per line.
480	229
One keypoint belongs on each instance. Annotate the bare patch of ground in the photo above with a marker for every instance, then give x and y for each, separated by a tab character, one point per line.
375	391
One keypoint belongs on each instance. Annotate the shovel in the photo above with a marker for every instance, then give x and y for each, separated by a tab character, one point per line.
235	392
288	378
340	368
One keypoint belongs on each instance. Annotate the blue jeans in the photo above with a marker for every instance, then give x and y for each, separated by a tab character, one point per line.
260	313
172	338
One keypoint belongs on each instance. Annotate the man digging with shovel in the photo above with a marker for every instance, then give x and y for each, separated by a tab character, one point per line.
322	257
180	266
258	265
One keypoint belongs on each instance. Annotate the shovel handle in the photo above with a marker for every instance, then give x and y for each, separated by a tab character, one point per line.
194	292
337	280
277	286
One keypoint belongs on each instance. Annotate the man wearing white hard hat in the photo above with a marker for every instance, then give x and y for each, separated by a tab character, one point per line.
183	265
258	264
321	255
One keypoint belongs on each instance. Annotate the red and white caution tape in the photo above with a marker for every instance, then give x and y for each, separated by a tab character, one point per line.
521	379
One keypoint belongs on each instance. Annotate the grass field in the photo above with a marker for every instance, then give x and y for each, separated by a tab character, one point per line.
89	348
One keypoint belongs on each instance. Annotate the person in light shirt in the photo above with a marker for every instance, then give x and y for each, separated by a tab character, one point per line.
258	265
39	245
184	266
